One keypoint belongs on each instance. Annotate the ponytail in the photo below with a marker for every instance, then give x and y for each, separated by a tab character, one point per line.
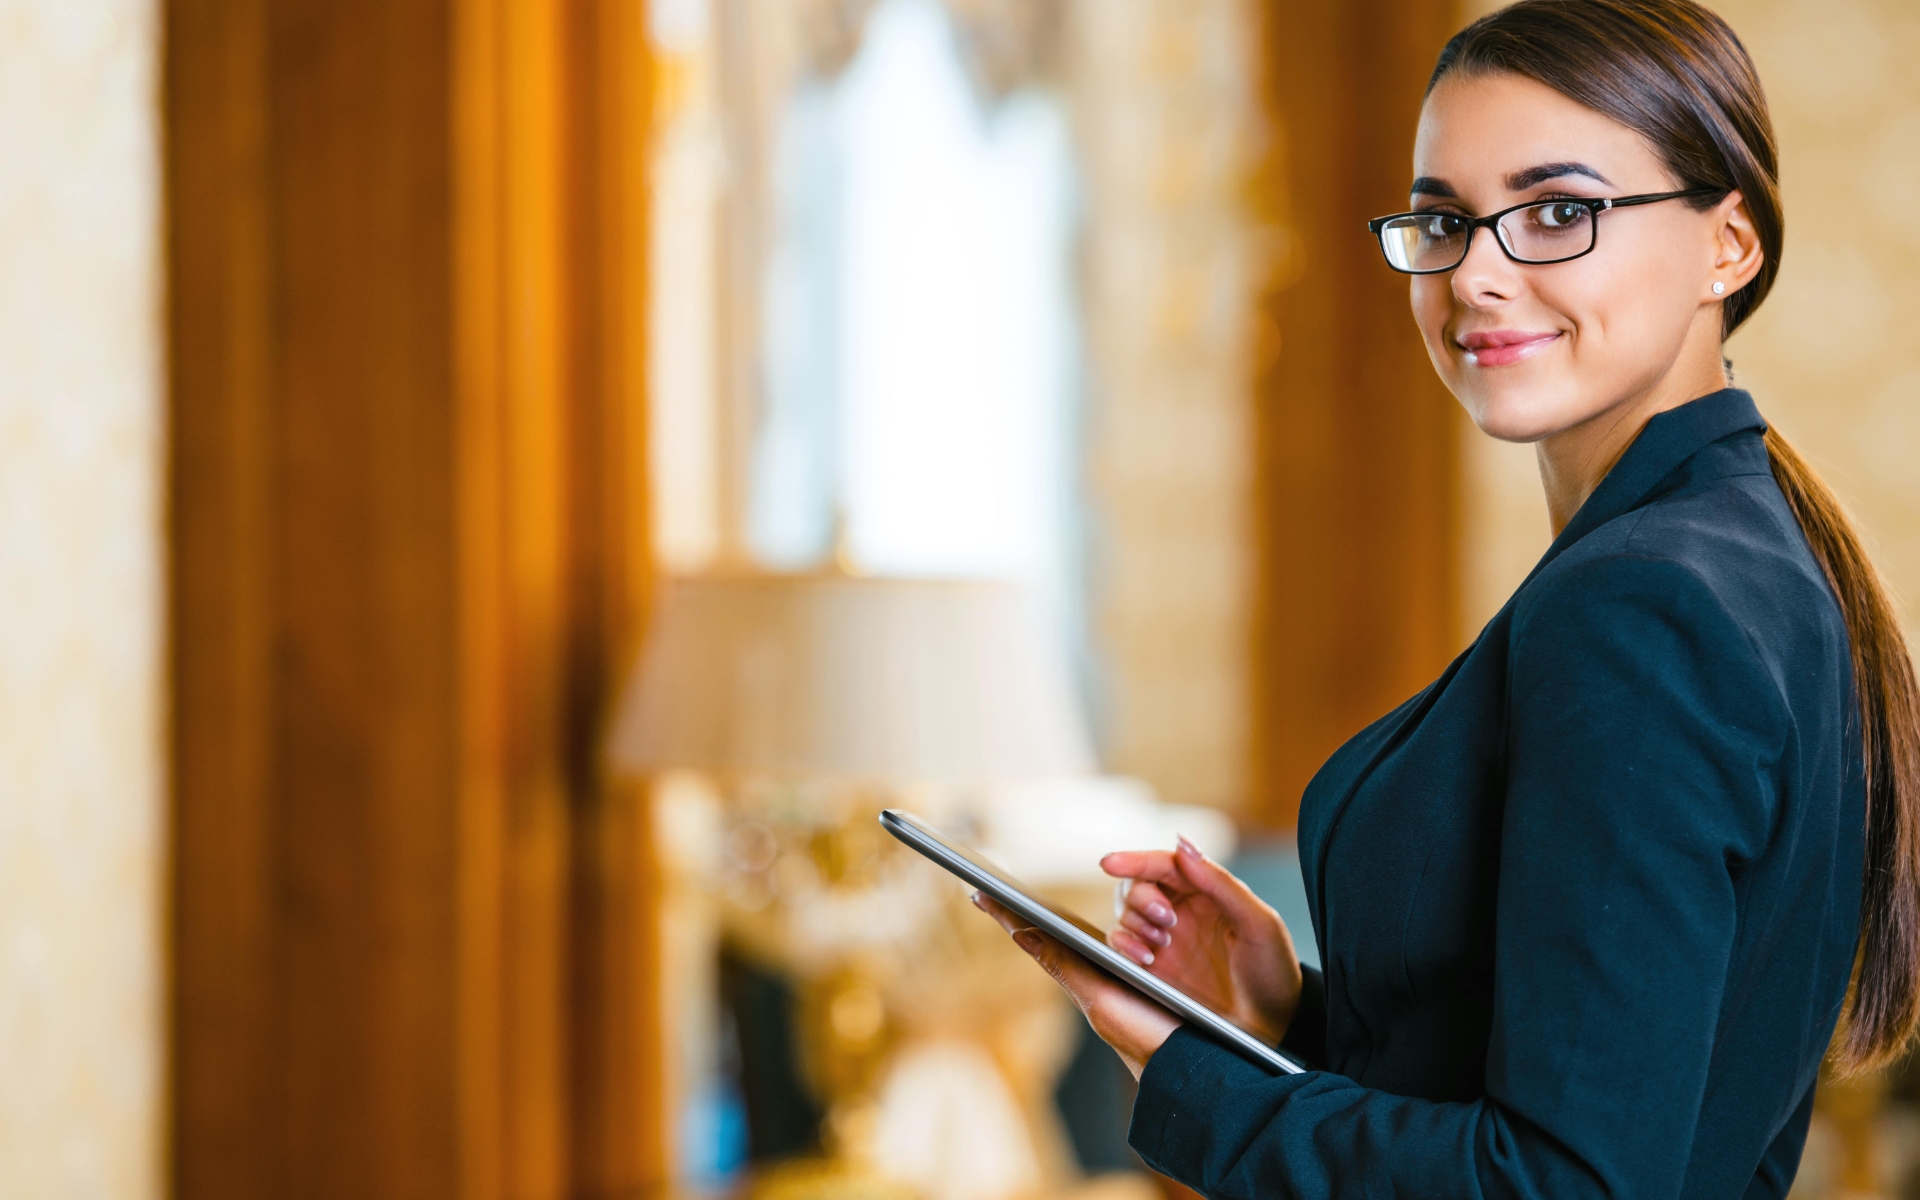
1883	1003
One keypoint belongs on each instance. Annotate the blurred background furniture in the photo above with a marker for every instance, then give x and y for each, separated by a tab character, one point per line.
924	1038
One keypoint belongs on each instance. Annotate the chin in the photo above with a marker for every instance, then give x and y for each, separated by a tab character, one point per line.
1514	410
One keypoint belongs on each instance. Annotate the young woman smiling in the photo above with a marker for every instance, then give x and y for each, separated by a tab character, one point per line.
1592	905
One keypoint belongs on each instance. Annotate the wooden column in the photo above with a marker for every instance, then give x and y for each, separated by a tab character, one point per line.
1356	435
413	936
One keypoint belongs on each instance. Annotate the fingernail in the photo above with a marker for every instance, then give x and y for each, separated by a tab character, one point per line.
1145	957
1162	914
1189	848
1159	937
976	902
1029	941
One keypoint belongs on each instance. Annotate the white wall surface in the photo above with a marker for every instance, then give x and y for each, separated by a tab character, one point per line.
81	818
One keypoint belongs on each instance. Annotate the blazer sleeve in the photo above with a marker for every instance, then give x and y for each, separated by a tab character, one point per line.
1641	733
1774	1179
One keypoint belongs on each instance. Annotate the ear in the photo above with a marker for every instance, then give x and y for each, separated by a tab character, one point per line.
1738	255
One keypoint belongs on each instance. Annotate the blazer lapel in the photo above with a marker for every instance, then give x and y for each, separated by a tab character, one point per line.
1664	445
1667	442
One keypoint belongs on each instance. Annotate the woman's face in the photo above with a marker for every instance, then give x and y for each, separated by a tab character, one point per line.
1533	351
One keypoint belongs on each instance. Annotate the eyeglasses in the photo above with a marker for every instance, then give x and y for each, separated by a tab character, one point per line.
1537	233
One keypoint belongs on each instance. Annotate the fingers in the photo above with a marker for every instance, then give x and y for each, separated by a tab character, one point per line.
1045	951
1138	939
1009	920
1152	904
1156	865
1134	944
1133	1025
1220	885
1147	931
1068	969
1131	944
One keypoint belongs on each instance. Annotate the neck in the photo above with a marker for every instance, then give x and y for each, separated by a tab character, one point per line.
1574	461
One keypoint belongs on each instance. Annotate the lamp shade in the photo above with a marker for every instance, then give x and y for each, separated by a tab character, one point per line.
829	673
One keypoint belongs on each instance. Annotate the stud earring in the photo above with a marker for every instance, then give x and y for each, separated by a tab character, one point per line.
1718	287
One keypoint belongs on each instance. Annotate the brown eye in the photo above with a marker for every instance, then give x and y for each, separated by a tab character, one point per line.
1559	215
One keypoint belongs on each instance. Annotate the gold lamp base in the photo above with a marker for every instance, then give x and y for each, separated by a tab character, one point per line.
826	1179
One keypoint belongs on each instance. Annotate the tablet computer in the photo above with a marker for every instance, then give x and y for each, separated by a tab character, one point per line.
1089	942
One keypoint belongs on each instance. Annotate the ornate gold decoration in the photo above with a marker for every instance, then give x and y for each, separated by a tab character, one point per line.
819	1179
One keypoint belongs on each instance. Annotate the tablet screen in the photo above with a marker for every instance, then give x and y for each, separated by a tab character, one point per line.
1079	935
986	866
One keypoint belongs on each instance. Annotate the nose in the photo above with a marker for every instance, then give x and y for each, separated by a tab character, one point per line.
1486	277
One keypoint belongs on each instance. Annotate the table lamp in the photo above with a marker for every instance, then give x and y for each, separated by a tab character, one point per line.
880	684
830	673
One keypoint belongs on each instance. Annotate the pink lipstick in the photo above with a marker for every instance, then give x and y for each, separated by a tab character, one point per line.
1503	347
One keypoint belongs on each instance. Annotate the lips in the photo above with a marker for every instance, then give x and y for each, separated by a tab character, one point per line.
1503	347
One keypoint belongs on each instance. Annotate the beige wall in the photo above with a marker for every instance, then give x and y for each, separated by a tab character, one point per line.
80	777
1834	355
1165	109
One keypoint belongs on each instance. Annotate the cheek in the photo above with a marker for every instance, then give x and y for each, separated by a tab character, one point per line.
1626	302
1432	297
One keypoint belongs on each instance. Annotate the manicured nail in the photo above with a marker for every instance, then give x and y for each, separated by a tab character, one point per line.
976	902
1029	941
1162	915
1159	936
1189	848
1144	956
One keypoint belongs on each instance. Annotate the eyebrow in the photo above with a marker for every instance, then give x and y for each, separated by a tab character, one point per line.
1519	181
1532	177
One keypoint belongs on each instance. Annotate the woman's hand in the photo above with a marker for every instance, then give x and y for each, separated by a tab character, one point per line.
1132	1024
1191	922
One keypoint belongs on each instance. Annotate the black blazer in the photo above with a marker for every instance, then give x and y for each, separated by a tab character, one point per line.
1587	905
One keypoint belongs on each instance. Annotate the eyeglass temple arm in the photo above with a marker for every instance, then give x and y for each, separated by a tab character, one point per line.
1373	226
1656	197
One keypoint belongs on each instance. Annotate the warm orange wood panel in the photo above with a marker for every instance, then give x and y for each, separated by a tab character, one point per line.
413	926
560	1018
221	650
1356	474
618	1143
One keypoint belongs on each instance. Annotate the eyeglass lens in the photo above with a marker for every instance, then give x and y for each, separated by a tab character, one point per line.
1552	231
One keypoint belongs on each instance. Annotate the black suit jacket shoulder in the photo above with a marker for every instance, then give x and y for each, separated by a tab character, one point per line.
1587	905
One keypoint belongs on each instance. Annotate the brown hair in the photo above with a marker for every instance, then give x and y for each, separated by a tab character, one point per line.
1675	73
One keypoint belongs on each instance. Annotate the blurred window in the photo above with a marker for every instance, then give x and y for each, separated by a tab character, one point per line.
920	350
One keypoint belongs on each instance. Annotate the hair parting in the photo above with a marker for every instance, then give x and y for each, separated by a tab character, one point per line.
1673	71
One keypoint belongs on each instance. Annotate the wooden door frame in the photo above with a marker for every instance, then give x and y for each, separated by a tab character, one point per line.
413	949
1356	605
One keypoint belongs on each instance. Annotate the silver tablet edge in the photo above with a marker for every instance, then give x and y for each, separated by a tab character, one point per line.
924	839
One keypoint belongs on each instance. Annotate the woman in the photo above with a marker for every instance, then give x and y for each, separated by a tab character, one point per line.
1589	905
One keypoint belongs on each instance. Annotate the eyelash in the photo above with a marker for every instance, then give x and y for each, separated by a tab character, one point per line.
1537	199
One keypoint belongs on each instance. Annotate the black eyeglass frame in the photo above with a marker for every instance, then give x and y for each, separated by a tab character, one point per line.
1594	207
